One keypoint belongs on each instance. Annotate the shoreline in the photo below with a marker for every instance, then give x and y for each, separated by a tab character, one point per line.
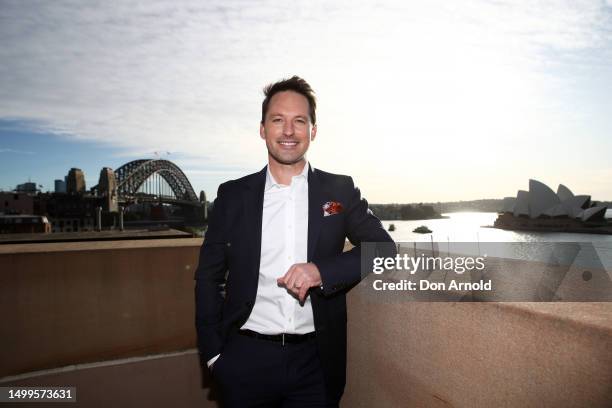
585	230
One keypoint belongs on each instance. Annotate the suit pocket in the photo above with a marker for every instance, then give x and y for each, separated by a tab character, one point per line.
217	366
220	366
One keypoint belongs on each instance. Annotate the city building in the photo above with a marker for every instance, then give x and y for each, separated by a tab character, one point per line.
70	212
11	224
60	186
28	187
16	203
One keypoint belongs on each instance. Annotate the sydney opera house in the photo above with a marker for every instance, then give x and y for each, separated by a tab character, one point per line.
542	209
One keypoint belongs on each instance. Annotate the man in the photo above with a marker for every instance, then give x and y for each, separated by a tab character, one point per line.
272	276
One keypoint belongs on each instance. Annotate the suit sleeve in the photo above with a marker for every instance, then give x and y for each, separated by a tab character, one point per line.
210	279
342	271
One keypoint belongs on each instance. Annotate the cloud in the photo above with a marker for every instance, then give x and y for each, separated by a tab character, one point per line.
186	76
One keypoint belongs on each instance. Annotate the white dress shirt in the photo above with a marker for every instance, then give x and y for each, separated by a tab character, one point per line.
284	242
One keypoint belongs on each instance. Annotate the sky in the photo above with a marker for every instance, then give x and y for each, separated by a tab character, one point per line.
418	101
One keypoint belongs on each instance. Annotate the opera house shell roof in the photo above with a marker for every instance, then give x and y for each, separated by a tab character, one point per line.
542	202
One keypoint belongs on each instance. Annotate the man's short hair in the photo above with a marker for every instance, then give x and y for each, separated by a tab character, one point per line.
295	84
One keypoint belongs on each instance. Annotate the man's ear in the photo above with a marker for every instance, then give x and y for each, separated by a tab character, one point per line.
313	133
262	132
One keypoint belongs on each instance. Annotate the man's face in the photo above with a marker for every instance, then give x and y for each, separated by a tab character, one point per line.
287	129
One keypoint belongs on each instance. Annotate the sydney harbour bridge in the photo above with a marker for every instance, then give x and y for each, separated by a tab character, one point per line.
151	182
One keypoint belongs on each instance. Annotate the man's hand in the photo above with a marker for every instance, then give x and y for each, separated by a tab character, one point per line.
299	278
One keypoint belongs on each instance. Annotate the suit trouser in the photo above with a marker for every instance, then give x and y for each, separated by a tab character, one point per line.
261	373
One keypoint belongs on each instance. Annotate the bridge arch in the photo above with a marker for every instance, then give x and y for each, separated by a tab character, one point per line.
131	176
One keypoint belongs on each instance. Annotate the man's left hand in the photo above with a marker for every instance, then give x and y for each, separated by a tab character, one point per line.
299	278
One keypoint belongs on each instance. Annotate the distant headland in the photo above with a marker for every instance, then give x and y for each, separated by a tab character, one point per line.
405	211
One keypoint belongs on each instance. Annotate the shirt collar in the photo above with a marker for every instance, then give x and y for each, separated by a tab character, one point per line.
270	182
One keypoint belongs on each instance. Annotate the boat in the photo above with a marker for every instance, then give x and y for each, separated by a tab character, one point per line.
422	230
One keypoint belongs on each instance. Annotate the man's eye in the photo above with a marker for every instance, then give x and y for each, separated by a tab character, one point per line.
276	120
301	121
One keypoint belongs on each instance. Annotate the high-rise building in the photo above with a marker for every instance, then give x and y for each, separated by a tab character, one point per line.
75	184
60	186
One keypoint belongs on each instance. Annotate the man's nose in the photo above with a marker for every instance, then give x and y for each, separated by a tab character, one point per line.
288	128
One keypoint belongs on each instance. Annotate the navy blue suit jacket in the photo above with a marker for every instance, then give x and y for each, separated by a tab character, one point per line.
228	270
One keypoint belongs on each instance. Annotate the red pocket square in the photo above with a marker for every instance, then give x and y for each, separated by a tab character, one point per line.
331	208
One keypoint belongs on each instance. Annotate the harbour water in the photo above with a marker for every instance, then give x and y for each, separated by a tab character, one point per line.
470	233
476	227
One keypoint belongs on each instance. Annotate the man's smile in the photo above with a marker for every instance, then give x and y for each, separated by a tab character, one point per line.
288	143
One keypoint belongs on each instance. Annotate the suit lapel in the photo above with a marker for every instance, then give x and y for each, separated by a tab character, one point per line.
252	197
315	211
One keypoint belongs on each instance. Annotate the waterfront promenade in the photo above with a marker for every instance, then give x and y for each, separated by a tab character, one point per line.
116	320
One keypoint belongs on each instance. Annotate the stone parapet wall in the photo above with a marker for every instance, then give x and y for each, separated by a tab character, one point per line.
103	302
69	303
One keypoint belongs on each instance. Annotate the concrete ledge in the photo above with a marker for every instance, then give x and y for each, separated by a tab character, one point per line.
479	354
12	249
105	235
